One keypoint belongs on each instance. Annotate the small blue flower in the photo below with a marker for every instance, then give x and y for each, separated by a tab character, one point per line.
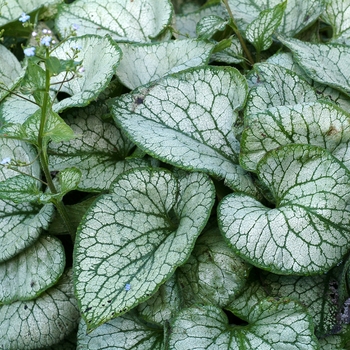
127	286
46	40
29	51
75	26
24	17
5	161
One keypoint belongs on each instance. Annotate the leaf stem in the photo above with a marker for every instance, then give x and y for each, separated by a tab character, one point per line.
238	34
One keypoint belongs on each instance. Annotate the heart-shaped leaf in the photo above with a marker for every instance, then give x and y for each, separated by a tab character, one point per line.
99	149
318	60
123	20
98	69
308	231
319	123
31	272
123	333
132	240
143	63
187	119
40	322
273	325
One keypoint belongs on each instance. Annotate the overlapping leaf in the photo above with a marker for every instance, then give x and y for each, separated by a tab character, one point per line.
164	304
123	333
40	322
275	86
21	223
320	124
272	325
187	119
308	231
213	274
132	240
143	63
99	149
123	20
325	63
285	60
29	273
312	292
98	69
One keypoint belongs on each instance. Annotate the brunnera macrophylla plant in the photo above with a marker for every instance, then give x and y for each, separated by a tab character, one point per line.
174	174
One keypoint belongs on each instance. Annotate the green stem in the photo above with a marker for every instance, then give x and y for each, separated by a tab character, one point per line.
238	34
42	150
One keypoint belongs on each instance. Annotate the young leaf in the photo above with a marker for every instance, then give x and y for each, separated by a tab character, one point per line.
298	14
99	150
213	274
322	62
55	128
186	24
308	231
274	86
143	63
69	179
209	25
123	20
98	69
123	333
31	272
33	83
259	32
272	325
40	322
132	240
319	123
228	51
187	119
